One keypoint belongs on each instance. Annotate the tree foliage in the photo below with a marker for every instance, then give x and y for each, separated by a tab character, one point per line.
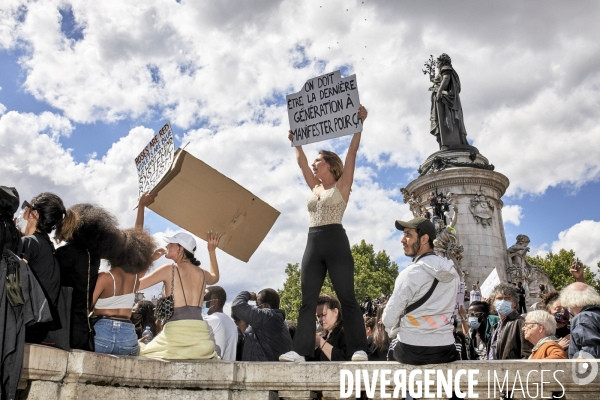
557	267
374	275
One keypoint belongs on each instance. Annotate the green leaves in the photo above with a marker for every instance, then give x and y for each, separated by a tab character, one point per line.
374	275
557	267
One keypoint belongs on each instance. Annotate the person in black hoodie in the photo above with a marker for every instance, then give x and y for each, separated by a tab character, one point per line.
267	336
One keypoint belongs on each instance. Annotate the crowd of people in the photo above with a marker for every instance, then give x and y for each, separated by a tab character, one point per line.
54	289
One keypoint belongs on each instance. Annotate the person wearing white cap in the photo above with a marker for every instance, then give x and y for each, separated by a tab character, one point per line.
185	334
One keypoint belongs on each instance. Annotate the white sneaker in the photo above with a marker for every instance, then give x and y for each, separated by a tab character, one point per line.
359	356
292	356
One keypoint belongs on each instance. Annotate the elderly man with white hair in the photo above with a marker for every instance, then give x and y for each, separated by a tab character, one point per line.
584	301
539	329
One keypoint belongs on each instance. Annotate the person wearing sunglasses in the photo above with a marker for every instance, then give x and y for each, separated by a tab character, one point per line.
42	215
477	324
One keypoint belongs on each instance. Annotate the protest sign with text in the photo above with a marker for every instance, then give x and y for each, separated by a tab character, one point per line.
155	160
325	108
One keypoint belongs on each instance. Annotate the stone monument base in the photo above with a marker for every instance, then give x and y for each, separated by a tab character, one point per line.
471	184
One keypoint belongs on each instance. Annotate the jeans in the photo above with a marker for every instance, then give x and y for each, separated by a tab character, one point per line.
116	337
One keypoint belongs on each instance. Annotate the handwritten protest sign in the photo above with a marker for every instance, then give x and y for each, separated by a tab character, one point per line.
325	108
489	284
155	160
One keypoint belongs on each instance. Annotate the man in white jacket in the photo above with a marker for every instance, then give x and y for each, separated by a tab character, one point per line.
421	306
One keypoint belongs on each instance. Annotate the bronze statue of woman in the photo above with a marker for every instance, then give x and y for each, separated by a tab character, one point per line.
447	121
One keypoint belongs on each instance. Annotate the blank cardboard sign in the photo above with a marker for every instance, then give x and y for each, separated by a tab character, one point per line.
199	198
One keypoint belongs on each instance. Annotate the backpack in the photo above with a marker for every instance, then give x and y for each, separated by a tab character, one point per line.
13	264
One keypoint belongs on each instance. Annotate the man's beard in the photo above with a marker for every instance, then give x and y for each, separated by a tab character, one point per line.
415	249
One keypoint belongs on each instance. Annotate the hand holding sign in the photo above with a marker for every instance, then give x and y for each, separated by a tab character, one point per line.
327	107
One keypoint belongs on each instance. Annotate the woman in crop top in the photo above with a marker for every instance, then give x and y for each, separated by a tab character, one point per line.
328	250
114	294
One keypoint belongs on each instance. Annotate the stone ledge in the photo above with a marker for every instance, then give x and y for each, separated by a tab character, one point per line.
77	374
44	363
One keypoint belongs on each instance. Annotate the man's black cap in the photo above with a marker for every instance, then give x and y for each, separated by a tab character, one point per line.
422	224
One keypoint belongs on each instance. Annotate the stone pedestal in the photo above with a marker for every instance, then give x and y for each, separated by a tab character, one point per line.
471	184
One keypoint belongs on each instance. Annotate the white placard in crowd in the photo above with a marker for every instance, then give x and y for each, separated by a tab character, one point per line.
489	284
325	108
460	298
155	160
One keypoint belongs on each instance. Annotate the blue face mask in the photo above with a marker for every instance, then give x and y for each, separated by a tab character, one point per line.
474	323
504	307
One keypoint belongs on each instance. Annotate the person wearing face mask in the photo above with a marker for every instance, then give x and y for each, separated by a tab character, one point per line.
478	326
223	327
551	303
43	214
507	341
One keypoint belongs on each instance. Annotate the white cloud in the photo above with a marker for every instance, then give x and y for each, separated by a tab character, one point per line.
581	238
512	214
34	161
529	94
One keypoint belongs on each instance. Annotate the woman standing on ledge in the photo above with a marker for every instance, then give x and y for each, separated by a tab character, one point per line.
328	249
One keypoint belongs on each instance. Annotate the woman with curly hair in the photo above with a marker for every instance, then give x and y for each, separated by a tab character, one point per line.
45	213
114	294
96	237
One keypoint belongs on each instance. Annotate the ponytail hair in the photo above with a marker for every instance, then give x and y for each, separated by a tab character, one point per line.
336	166
54	216
191	258
66	227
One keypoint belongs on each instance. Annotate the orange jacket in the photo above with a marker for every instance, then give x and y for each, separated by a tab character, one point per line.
548	350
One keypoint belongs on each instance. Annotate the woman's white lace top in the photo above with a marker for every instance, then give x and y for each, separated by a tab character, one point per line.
327	209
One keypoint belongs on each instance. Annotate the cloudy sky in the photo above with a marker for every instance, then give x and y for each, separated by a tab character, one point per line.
85	85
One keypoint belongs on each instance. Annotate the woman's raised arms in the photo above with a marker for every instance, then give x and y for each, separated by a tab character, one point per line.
345	182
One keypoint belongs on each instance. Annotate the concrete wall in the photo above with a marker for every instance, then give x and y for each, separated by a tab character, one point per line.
52	374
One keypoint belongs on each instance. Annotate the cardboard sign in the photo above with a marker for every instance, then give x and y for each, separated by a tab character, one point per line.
199	198
489	284
325	108
155	160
